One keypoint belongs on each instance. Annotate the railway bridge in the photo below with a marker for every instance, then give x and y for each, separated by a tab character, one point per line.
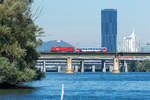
103	56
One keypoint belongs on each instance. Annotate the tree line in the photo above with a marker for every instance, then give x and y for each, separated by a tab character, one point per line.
18	43
139	66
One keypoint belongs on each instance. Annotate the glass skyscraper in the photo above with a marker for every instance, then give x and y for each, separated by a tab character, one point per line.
109	29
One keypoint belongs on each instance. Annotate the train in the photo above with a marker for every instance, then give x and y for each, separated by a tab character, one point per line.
72	49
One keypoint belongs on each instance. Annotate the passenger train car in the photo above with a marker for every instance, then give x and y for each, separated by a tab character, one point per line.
103	49
71	49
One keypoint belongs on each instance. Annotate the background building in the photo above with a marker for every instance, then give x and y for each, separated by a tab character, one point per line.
129	43
109	29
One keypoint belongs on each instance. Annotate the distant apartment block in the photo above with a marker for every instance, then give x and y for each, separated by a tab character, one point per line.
129	43
109	29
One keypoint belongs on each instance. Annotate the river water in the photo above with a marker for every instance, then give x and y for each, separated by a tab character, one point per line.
85	86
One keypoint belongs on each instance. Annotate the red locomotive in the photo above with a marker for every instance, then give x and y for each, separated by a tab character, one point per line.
62	49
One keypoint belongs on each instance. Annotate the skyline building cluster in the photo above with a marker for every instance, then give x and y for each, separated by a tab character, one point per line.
109	33
109	29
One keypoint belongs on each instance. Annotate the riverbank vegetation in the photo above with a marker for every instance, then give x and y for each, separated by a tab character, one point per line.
136	66
18	43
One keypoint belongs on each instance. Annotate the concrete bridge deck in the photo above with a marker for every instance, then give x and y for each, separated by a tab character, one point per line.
94	54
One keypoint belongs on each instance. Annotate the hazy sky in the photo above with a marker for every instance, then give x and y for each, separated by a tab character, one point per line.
79	21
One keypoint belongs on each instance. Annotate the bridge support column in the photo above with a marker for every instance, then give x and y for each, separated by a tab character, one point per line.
122	66
93	68
76	68
103	66
82	66
69	69
125	66
73	67
116	65
43	67
59	68
110	68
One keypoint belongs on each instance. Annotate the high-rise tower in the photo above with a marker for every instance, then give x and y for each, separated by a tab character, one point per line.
109	29
129	43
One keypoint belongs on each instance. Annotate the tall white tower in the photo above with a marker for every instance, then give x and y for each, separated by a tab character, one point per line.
129	43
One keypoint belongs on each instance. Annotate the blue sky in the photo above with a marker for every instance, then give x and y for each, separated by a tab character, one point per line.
78	21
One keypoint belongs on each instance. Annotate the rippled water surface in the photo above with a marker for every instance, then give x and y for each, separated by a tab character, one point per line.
85	86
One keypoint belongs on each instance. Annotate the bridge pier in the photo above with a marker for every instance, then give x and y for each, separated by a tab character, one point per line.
73	67
116	65
93	68
59	69
82	66
43	68
69	69
122	67
103	66
76	68
110	68
125	66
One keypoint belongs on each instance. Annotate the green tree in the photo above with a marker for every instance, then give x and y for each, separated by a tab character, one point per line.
18	42
146	64
136	66
132	66
139	67
143	66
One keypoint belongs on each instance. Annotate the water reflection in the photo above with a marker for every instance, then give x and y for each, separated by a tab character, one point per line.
16	91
